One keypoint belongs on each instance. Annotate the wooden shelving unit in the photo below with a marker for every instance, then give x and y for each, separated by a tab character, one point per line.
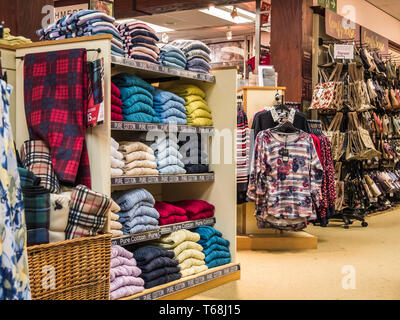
217	187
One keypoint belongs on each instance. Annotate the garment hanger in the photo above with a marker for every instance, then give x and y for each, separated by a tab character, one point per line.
285	127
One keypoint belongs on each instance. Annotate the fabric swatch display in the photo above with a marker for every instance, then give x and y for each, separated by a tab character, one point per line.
169	213
124	274
197	54
117	159
84	23
139	159
197	110
87	213
196	209
173	57
184	245
194	152
169	107
136	97
36	158
215	248
167	155
59	212
157	264
140	42
14	275
60	122
116	104
137	211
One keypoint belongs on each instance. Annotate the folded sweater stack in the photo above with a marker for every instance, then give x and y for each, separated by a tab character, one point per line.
197	110
136	97
197	54
116	103
167	156
195	157
169	213
84	23
117	159
169	107
157	265
140	42
173	57
124	274
115	226
215	248
137	211
196	209
186	250
139	159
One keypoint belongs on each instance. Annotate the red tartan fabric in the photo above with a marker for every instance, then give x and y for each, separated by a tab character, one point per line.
55	93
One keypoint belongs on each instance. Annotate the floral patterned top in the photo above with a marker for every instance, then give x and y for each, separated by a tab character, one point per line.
285	178
14	281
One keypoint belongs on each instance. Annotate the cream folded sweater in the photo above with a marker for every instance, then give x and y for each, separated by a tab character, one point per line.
190	253
141	172
190	262
175	238
139	155
193	270
127	147
140	164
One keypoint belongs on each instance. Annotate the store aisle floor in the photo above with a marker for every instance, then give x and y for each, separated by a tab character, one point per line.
374	252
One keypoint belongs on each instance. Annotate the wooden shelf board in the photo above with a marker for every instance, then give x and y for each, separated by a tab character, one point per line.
149	71
143	126
192	285
173	178
63	41
285	241
166	229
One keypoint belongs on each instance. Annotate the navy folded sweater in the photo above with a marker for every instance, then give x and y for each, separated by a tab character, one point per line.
149	276
162	280
145	254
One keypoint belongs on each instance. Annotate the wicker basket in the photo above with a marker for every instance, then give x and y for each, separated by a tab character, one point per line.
77	269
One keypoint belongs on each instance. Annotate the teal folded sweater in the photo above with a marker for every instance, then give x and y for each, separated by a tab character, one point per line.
126	93
129	80
140	97
140	117
139	107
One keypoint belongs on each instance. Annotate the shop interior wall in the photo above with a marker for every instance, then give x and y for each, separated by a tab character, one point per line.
23	17
371	17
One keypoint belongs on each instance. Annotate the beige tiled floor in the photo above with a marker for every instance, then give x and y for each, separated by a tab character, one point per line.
373	252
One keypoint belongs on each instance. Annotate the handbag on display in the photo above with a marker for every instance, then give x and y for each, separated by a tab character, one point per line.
336	137
328	95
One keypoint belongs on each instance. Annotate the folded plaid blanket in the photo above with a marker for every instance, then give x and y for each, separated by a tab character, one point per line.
88	212
28	178
35	156
37	207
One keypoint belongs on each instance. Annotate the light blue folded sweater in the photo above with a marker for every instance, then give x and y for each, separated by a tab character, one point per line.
140	220
170	113
173	119
172	169
127	200
169	104
139	229
164	144
170	160
161	96
140	209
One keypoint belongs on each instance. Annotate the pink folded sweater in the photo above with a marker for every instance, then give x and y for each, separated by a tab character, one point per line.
124	271
125	292
123	281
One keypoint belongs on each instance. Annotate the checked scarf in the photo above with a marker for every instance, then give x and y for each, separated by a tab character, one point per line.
36	158
87	213
55	91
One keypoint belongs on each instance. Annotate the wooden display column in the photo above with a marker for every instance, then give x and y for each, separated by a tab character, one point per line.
291	46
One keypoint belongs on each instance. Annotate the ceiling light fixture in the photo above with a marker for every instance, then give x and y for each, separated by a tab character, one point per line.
229	34
242	12
211	6
234	13
226	15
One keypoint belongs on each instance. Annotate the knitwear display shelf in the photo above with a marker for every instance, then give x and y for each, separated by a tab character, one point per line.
173	178
156	234
157	73
144	126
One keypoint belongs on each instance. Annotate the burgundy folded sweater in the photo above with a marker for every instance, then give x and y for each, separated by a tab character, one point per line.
194	207
166	209
116	109
115	91
116	117
116	101
172	219
202	215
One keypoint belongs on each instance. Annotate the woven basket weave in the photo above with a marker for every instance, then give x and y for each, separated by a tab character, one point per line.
77	269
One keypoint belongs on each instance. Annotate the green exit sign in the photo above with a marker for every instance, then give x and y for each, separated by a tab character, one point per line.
329	4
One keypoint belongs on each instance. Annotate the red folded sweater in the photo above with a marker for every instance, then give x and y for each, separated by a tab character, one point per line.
166	209
172	219
116	116
116	101
193	207
202	215
116	109
115	91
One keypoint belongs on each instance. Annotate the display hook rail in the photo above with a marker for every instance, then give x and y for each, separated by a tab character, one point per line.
98	50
